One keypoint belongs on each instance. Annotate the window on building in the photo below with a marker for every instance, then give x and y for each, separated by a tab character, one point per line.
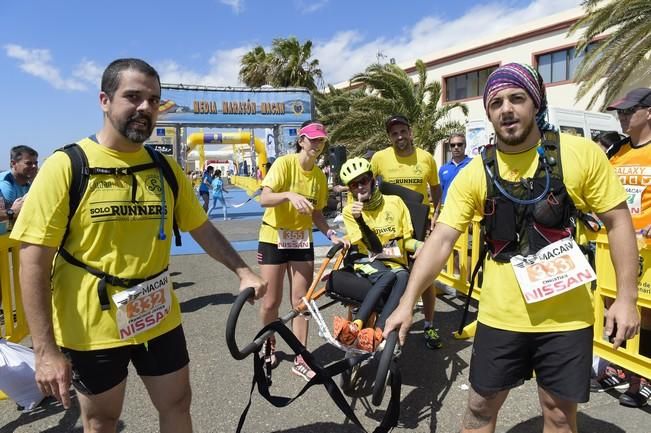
467	85
560	65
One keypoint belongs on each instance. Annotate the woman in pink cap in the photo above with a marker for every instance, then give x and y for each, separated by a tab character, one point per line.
294	192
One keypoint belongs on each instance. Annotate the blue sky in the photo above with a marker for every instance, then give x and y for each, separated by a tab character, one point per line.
52	52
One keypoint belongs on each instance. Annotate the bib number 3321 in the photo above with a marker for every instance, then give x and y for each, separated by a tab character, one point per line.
142	307
555	269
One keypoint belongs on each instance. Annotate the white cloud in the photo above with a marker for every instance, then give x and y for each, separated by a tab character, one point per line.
236	5
224	69
89	71
308	7
347	53
38	62
343	55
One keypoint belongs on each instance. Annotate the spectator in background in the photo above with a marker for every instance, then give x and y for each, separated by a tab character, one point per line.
632	162
457	145
218	191
15	182
608	139
204	188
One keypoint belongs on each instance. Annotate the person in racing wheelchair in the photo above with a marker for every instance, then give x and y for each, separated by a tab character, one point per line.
380	230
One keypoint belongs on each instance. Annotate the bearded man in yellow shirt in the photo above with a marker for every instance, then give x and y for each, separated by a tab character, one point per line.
524	327
95	281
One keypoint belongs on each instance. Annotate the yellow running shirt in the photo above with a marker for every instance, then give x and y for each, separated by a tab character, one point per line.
591	183
108	232
286	174
389	221
633	166
415	171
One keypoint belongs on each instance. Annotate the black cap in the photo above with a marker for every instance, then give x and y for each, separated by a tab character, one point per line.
639	96
396	119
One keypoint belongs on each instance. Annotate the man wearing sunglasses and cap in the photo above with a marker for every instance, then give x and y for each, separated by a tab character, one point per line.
412	167
531	323
632	162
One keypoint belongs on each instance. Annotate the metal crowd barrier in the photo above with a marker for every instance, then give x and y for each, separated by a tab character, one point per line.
628	357
14	327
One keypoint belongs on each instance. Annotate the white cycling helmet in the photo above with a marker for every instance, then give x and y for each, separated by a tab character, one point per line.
353	168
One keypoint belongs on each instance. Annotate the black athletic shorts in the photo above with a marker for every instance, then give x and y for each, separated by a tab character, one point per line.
503	360
269	254
96	371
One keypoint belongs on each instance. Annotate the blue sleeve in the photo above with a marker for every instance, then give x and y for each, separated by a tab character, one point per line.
8	192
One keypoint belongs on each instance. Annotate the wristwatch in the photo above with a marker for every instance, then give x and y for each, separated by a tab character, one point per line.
10	214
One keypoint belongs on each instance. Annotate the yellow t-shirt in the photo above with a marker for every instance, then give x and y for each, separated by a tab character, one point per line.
591	183
286	174
633	166
390	221
416	171
109	233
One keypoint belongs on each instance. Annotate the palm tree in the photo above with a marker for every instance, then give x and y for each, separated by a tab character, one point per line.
255	67
288	64
623	54
356	118
292	65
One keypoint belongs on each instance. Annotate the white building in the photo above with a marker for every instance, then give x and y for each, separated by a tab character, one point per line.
544	44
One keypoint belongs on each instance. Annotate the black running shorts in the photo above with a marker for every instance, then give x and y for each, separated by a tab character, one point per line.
503	360
96	371
269	254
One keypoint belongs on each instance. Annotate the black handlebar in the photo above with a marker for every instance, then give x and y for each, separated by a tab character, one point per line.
231	324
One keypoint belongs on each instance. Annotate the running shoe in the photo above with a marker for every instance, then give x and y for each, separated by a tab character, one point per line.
345	331
432	339
300	368
612	378
369	339
639	398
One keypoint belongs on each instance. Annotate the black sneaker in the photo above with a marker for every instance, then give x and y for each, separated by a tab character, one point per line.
613	378
636	399
432	339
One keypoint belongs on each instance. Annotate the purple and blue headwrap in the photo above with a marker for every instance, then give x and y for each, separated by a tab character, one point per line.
524	77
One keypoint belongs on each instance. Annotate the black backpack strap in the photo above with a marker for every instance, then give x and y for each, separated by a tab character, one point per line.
78	183
169	176
323	376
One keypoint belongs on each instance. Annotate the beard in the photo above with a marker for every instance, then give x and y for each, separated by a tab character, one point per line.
127	128
515	139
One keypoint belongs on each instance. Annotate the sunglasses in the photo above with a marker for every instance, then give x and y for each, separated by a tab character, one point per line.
630	111
457	144
364	180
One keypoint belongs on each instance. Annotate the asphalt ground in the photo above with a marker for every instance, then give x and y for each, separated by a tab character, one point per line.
434	391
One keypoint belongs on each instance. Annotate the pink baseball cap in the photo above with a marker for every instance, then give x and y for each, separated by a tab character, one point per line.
313	130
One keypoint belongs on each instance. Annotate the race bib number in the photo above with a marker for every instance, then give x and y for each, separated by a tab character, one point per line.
144	306
555	269
293	239
634	200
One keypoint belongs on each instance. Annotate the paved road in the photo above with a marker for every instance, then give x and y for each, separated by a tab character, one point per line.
433	394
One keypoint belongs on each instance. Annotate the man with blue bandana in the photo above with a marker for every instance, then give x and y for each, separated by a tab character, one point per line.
528	189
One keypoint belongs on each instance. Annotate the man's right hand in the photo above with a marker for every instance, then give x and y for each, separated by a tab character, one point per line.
400	319
53	376
248	278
